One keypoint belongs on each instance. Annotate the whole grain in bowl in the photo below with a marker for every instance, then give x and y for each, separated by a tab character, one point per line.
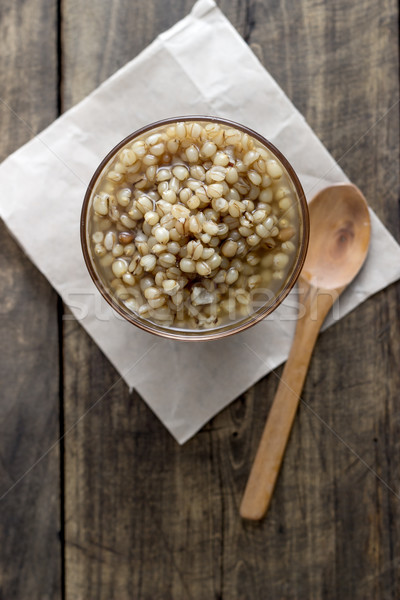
192	224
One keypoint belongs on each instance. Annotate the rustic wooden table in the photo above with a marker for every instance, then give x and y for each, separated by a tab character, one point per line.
116	509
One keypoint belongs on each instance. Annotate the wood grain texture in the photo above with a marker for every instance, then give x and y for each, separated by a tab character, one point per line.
140	516
338	63
120	541
145	518
30	550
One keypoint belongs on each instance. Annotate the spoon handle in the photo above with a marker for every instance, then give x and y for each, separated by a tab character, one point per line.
264	473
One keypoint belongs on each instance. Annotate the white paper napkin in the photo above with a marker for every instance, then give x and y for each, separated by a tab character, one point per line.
200	66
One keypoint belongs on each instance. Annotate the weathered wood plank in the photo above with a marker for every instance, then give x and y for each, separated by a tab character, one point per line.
148	519
332	529
102	39
141	516
139	509
30	552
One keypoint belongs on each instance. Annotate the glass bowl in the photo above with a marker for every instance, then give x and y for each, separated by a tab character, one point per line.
263	300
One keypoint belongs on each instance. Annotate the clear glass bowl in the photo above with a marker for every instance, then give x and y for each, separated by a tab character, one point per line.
261	307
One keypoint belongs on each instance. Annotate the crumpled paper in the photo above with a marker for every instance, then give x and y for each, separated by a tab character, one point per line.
200	66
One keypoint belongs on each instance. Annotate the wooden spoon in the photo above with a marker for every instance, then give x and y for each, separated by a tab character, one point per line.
339	238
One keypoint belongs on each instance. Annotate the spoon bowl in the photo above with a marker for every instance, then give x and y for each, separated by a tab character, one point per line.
339	237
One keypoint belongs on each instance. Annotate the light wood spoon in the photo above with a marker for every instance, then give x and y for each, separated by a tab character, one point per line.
339	239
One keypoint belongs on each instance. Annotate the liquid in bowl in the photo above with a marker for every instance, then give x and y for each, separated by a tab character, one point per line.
197	226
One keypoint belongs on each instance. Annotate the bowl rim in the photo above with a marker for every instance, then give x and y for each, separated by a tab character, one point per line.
200	334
